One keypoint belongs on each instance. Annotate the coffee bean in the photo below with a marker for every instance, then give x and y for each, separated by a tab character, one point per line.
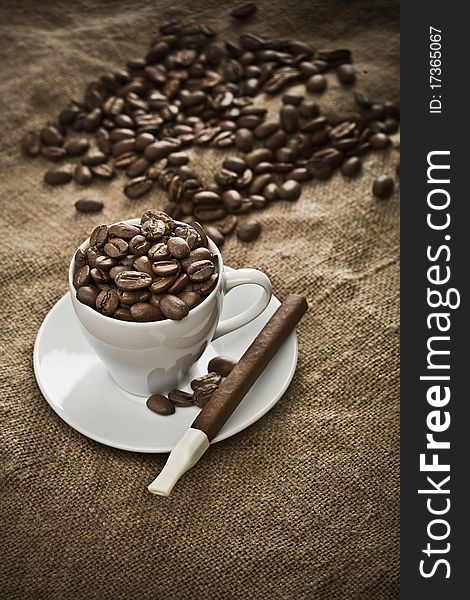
352	166
83	175
107	301
200	270
191	299
158	251
180	398
234	164
165	268
77	147
87	205
228	225
99	236
308	109
82	276
244	11
179	284
160	405
31	143
162	284
87	295
249	230
316	84
54	153
116	247
130	298
58	176
123	230
103	171
178	247
289	118
93	159
133	280
383	187
177	159
259	155
51	136
153	229
139	245
123	314
215	235
346	73
221	365
104	262
173	307
160	149
379	141
211	378
232	200
244	140
144	312
206	197
138	167
290	190
99	276
80	258
137	187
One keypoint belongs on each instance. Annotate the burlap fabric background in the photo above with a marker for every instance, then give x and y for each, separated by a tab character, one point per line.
304	503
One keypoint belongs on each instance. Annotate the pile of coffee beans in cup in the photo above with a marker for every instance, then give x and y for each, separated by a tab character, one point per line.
159	269
191	91
202	388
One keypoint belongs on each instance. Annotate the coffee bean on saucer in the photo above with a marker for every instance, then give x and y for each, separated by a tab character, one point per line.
180	398
352	166
249	230
383	187
87	205
160	405
221	365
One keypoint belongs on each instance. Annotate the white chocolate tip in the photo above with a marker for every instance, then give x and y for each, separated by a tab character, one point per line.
184	455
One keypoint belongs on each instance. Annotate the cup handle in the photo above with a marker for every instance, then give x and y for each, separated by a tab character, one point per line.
238	277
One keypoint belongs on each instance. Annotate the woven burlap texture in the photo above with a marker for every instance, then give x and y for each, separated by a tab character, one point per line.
304	503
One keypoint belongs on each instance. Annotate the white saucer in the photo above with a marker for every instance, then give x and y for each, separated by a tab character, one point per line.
79	389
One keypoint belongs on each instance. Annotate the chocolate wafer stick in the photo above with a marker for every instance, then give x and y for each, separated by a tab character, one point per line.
231	392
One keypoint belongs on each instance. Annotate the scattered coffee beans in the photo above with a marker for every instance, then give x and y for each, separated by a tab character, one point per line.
148	272
190	91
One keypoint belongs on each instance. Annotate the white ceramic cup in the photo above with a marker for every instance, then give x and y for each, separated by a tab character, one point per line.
155	357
